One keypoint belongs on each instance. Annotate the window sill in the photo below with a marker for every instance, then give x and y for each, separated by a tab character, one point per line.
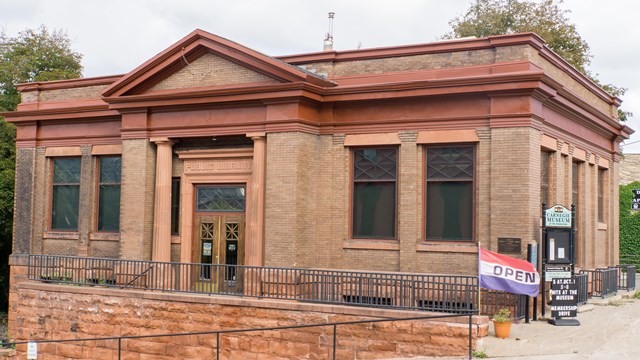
61	235
602	226
175	239
446	246
360	244
104	236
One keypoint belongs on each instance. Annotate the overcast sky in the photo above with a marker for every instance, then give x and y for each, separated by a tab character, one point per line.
116	36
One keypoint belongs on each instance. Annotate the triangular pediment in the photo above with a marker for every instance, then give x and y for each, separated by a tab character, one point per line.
201	60
211	70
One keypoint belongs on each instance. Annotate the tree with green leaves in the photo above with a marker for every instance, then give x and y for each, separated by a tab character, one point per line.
545	18
32	55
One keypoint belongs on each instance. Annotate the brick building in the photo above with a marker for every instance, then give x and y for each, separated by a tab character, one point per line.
399	159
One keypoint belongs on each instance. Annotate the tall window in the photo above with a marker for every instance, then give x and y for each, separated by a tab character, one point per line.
575	200
65	194
544	177
575	183
175	205
601	189
109	193
374	193
449	202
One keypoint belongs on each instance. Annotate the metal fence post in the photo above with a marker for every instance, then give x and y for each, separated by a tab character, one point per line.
470	336
217	346
334	341
119	347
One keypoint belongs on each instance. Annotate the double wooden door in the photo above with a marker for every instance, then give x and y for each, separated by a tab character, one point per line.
220	248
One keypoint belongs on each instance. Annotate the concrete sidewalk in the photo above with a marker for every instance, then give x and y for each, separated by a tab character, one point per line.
609	330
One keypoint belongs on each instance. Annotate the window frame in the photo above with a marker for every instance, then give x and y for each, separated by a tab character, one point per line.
98	183
51	187
601	194
352	187
425	190
175	206
547	155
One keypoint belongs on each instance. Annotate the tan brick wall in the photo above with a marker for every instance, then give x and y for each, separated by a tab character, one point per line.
85	92
629	168
137	198
515	186
421	62
290	199
572	85
409	200
211	70
44	312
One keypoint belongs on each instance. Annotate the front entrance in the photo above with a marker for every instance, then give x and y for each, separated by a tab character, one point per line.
219	233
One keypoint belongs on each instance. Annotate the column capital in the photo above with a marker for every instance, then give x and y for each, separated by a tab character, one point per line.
163	141
254	135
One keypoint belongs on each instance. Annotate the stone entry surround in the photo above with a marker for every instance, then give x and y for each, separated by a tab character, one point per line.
48	311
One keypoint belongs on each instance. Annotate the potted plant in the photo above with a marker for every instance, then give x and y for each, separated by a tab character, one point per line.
502	323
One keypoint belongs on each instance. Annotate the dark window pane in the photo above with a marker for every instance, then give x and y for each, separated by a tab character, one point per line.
110	169
109	208
574	184
601	187
220	198
175	205
449	210
450	163
109	193
544	178
374	210
66	170
64	208
374	164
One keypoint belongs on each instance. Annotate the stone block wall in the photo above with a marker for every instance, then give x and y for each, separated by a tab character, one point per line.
46	311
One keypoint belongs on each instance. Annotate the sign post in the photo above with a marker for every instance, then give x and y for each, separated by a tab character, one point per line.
558	229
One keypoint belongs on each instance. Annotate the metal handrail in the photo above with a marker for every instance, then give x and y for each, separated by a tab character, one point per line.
427	292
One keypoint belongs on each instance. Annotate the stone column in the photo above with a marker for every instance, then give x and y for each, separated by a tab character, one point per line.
161	248
254	247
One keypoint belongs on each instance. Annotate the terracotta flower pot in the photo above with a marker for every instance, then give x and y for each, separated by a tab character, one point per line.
502	329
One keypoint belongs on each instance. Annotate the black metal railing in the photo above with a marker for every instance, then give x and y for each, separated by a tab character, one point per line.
217	346
491	301
582	282
442	293
626	277
602	282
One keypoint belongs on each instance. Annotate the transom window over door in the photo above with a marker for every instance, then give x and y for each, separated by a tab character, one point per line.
374	193
226	198
65	194
449	204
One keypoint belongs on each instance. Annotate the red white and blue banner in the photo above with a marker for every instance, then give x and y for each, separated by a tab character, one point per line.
500	272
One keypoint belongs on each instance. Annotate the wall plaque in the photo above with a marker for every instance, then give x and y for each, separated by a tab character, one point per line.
509	245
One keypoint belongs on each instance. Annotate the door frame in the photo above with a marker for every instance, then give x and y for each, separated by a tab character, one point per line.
212	167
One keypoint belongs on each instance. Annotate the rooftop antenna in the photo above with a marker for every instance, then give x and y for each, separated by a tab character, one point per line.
328	40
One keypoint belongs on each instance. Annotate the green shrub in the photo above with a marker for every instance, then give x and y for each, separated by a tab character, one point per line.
480	354
629	226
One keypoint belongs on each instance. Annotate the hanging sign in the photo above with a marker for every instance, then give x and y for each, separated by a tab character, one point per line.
557	216
635	202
